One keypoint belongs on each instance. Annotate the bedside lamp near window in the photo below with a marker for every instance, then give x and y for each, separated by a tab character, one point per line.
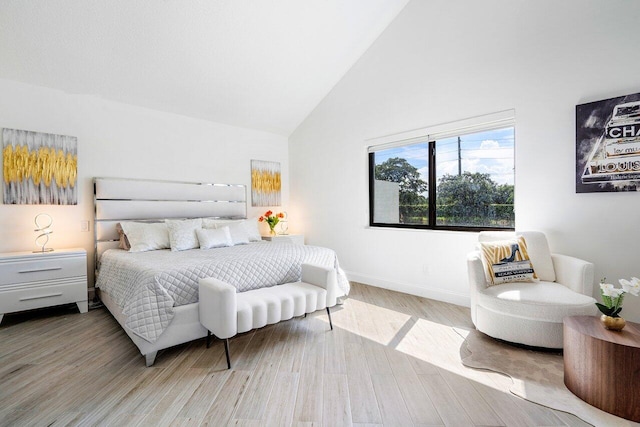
44	229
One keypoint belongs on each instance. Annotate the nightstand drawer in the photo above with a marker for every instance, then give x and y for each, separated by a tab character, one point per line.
54	293
47	268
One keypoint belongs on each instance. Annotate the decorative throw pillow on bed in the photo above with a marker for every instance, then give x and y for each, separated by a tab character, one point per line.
214	238
212	223
182	233
124	242
251	226
146	236
239	234
507	261
252	229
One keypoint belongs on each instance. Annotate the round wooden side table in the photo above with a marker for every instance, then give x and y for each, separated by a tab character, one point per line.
602	367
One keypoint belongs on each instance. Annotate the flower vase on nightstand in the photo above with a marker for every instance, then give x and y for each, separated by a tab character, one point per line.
272	220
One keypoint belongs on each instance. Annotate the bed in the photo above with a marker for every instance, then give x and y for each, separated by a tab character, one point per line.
154	294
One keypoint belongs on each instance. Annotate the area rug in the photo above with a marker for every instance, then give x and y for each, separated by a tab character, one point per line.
537	376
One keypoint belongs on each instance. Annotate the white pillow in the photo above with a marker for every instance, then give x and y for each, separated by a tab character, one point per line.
182	233
216	238
211	223
252	229
251	226
540	255
239	234
145	236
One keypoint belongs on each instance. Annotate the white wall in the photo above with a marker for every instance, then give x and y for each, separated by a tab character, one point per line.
118	140
442	61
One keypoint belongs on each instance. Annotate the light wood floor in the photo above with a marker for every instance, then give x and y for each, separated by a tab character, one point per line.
392	359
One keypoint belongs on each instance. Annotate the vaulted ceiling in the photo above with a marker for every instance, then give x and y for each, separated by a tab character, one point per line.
260	64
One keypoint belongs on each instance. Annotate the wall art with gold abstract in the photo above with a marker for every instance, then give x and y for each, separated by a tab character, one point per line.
266	184
39	168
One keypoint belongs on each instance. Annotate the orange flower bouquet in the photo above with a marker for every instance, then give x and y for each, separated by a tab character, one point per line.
272	220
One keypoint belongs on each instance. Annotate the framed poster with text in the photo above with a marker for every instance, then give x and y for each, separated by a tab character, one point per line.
608	145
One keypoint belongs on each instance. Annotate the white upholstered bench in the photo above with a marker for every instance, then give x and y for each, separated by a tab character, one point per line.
225	312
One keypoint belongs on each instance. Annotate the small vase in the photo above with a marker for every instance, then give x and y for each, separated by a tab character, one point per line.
272	231
612	323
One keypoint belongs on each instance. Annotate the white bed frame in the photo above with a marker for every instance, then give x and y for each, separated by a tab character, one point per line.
118	199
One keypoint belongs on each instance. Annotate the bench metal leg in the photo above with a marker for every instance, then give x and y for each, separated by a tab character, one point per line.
329	314
226	351
226	347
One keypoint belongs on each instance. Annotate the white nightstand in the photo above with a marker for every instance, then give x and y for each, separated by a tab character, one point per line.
33	280
298	239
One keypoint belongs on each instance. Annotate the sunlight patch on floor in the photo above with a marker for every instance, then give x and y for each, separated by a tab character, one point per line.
436	344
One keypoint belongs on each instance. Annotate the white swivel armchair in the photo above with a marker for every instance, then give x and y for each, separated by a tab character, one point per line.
531	313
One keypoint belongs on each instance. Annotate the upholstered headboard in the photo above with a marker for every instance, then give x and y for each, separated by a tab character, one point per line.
119	199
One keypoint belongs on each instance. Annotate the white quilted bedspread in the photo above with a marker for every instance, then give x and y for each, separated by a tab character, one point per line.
147	285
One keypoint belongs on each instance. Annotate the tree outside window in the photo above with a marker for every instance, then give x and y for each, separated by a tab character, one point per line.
413	205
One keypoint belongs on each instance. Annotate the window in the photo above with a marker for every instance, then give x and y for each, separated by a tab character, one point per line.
454	180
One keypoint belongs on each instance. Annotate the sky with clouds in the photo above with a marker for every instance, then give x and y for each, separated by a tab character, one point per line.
489	152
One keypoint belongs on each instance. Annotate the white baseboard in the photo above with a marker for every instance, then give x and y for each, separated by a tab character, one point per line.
431	293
